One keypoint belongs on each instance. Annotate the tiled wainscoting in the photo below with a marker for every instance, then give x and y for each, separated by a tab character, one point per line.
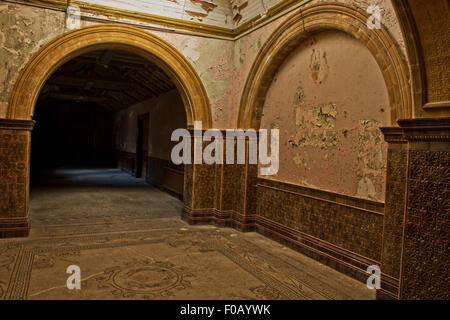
161	173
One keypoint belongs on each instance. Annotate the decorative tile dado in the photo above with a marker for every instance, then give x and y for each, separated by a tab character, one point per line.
394	212
204	186
233	182
425	272
187	187
14	149
356	229
14	157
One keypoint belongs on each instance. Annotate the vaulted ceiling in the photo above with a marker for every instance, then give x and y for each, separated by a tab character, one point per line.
114	80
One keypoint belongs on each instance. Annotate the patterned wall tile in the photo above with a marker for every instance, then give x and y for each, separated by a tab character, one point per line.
351	228
395	208
13	173
426	274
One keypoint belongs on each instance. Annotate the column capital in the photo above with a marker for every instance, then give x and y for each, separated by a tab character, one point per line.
393	134
14	124
426	129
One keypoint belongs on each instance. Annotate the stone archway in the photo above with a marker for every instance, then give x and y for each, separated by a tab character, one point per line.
131	39
312	20
15	131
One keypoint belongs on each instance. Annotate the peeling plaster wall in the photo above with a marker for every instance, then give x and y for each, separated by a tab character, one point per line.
223	65
328	100
211	59
247	47
23	31
388	17
244	54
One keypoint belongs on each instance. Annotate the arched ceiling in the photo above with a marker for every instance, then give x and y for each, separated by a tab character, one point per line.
111	79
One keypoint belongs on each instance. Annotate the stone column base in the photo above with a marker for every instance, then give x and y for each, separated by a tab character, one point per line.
14	227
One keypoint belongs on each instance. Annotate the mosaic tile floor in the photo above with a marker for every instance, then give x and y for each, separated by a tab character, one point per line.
129	242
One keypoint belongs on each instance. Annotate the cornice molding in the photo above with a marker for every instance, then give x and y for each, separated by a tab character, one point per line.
61	4
418	129
426	129
393	134
178	24
153	19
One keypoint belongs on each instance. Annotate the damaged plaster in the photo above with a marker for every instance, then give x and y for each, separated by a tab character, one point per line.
23	31
388	17
318	66
329	99
370	159
213	61
315	126
299	95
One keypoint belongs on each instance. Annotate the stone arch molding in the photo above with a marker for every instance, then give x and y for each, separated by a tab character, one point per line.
312	20
112	37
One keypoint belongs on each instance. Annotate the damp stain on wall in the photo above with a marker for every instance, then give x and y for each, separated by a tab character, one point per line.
299	96
258	44
190	49
238	54
318	64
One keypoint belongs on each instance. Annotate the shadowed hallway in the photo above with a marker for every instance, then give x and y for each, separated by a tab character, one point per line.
74	201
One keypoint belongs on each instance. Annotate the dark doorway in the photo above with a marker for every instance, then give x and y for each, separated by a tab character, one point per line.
142	146
93	156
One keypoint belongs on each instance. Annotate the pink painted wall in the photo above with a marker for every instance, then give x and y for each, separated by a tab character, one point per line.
328	100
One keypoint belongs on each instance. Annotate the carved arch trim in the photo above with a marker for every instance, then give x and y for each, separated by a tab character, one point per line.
312	20
113	37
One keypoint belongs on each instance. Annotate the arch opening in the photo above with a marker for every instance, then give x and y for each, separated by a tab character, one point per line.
110	37
103	123
105	100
